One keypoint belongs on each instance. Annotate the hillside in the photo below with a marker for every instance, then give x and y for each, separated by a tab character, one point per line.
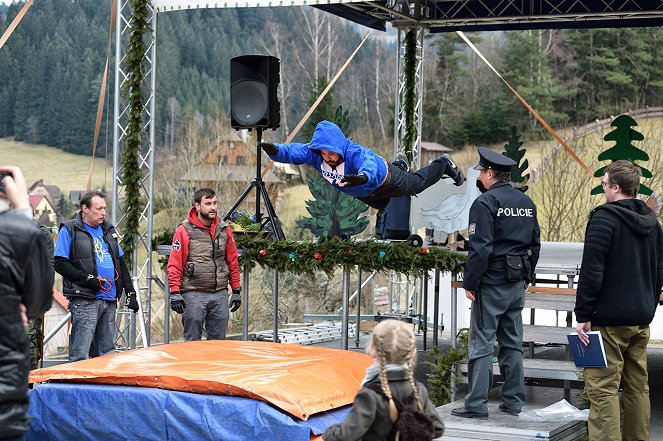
66	170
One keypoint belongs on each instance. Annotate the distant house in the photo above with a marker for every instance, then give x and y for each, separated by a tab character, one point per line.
233	161
43	211
75	198
51	192
431	151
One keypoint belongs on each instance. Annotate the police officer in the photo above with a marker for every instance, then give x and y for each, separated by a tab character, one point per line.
504	248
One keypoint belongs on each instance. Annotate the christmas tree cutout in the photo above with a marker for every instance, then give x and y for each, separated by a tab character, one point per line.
513	151
623	135
333	214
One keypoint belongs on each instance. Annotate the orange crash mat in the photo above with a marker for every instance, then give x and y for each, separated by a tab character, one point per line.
300	380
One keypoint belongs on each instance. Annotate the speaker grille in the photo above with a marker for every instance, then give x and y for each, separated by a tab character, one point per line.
250	100
253	92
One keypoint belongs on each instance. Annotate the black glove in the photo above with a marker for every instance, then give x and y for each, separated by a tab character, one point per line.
268	148
235	299
177	302
354	180
131	302
92	282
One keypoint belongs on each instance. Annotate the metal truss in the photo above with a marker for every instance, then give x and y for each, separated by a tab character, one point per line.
142	257
483	15
399	127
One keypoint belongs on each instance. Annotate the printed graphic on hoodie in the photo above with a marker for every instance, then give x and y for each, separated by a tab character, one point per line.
333	175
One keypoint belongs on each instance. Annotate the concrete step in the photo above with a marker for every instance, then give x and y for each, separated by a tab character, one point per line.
546	334
504	427
543	369
550	301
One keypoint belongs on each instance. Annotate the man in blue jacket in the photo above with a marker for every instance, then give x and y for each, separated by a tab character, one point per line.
358	171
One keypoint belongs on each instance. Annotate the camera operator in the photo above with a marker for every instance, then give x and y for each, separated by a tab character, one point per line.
25	293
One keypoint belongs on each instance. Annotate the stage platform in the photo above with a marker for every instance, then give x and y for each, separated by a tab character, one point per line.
503	427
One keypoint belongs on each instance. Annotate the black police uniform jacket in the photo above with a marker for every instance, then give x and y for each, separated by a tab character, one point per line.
24	278
502	222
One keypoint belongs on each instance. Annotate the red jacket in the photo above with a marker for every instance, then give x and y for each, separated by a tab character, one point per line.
180	252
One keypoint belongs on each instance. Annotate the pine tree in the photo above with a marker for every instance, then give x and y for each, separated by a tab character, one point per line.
623	135
333	214
512	150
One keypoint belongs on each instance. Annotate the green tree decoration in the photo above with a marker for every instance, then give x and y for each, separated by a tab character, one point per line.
333	214
623	135
512	150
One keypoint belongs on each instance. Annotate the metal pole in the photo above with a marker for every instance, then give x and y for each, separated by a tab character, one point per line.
57	327
275	329
345	318
358	305
245	303
424	322
436	307
454	307
166	310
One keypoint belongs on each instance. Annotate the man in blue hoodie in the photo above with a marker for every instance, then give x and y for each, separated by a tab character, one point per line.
359	171
619	287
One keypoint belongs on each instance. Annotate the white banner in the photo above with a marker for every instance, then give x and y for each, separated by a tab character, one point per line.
179	5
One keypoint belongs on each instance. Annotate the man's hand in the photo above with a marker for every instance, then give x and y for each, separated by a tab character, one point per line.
268	148
235	299
177	302
353	180
470	295
131	301
14	188
92	282
582	329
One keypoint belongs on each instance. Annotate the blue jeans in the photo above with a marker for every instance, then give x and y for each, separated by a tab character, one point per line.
92	328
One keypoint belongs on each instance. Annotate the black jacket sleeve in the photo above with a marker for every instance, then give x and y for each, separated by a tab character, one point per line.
67	270
37	290
127	283
50	247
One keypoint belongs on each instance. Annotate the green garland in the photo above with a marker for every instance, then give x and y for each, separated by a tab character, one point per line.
409	99
327	256
131	177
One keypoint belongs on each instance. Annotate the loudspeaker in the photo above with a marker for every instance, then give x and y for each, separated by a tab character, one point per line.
254	80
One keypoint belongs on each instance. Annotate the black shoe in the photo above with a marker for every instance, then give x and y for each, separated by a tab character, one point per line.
454	172
464	413
402	162
506	409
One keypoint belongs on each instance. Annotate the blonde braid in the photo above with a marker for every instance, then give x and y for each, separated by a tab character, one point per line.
410	371
384	382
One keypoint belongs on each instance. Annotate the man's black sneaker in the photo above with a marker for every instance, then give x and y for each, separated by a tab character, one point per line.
454	172
402	162
506	409
464	413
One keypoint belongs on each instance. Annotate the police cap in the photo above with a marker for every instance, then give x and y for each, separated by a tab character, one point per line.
489	159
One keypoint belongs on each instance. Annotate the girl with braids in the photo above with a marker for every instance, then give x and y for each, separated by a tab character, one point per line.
389	392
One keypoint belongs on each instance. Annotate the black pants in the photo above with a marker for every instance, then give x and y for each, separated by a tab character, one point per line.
408	183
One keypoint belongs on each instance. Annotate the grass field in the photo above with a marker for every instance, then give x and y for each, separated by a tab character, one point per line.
55	167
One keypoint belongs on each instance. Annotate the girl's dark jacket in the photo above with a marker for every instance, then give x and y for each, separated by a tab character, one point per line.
368	419
622	266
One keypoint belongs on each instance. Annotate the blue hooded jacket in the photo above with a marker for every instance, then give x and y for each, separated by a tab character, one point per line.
355	159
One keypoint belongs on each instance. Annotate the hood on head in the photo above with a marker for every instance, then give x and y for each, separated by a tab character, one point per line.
328	136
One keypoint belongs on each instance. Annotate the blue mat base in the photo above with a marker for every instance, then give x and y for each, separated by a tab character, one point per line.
62	411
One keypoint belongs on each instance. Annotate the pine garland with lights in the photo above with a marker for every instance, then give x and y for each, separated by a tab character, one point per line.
410	84
327	256
133	89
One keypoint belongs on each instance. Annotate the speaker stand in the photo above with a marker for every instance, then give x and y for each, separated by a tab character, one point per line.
261	190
